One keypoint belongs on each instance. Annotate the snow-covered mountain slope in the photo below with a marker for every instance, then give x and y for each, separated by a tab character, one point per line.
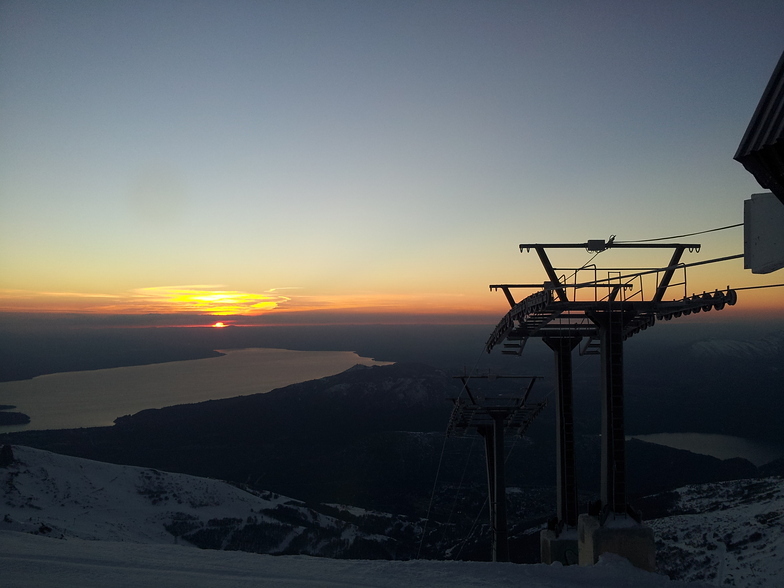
42	562
50	504
728	533
766	347
69	497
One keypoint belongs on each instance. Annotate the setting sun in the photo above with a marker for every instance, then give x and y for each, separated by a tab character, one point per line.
219	325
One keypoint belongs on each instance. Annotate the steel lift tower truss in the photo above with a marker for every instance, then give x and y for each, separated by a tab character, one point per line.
596	313
491	416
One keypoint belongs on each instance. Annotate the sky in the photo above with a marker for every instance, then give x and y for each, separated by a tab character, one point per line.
357	158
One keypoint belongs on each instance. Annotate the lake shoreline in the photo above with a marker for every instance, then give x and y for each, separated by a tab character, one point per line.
96	398
718	446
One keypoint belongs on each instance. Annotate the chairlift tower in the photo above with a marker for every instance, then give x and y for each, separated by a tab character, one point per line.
492	416
597	314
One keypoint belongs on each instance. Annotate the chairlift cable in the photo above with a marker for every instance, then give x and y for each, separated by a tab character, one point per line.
473	526
684	235
462	479
432	495
587	263
758	287
481	509
441	460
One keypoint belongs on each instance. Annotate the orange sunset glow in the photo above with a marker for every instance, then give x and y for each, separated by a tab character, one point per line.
294	303
212	300
207	300
218	301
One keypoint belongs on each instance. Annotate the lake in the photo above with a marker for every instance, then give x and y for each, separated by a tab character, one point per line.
720	446
95	398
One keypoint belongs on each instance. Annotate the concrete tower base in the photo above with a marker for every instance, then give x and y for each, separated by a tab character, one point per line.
561	547
620	534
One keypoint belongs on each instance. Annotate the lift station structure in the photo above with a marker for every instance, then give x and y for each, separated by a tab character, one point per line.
595	310
492	416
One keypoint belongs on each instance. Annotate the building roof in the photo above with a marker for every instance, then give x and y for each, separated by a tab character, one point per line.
761	151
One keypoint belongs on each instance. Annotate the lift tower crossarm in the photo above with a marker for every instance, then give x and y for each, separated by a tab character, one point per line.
548	267
509	298
599	245
669	272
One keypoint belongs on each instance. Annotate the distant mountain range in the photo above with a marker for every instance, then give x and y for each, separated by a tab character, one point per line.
689	375
372	437
769	346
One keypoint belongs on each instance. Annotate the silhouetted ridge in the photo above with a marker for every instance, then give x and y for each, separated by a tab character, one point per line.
371	437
